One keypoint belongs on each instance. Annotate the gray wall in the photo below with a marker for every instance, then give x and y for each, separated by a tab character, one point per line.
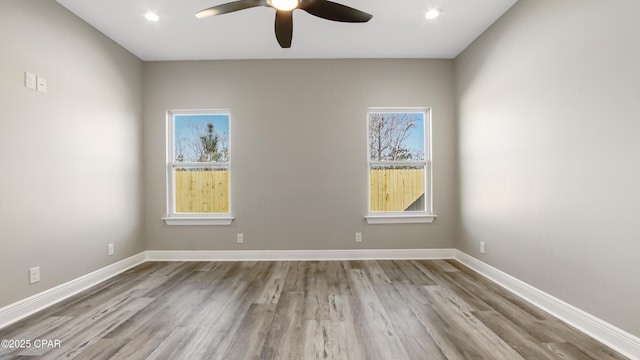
70	179
549	167
298	149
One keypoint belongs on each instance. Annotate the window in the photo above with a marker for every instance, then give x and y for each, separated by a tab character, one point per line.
198	166
399	165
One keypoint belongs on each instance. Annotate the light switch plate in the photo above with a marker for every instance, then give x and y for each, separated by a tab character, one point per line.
30	80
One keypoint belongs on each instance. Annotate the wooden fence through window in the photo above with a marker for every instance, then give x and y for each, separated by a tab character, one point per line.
202	191
395	189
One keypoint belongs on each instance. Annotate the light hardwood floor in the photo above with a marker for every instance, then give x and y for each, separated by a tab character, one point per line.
390	310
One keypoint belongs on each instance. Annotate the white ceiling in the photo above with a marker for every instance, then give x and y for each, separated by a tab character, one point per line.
398	29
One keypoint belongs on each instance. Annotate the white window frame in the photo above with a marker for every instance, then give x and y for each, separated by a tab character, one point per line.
174	218
403	217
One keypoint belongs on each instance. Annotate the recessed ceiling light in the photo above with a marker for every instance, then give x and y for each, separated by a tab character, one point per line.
151	16
433	14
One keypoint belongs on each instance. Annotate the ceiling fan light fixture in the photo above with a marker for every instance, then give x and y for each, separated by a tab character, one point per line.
206	13
433	14
284	5
324	9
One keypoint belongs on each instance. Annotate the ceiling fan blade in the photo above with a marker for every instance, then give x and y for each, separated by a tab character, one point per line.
230	7
284	28
333	11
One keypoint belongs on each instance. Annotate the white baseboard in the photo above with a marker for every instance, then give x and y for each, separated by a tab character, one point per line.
618	339
23	308
301	255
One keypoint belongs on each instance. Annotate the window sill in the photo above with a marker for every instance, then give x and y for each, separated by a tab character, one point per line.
227	220
399	219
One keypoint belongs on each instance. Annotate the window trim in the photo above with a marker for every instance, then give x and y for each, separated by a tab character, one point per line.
402	217
173	218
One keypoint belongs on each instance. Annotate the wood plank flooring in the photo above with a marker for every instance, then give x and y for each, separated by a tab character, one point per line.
436	309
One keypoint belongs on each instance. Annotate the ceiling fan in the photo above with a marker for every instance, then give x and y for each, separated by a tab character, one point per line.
284	13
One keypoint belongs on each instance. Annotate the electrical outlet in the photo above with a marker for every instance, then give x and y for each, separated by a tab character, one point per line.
30	80
34	275
110	249
358	237
482	247
240	238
